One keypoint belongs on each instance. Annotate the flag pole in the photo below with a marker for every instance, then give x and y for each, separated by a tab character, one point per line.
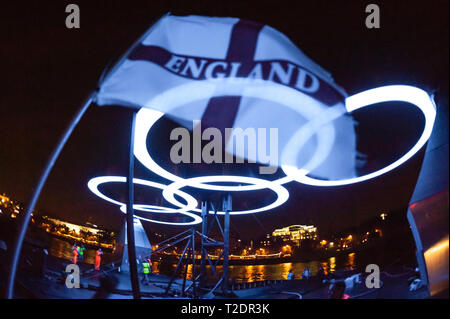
130	211
37	191
130	185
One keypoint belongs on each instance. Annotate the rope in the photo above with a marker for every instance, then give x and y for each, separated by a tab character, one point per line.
299	295
368	292
395	275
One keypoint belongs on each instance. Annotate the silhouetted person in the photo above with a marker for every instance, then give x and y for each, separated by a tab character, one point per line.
321	274
98	258
107	285
81	250
75	254
290	275
337	291
146	269
306	273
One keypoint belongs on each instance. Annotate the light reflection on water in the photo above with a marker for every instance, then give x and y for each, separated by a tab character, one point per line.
241	273
251	273
332	265
63	249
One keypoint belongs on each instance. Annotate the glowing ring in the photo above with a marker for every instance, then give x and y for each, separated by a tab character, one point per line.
320	126
163	210
299	139
192	203
172	98
282	193
360	100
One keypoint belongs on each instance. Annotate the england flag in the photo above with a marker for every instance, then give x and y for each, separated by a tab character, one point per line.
233	73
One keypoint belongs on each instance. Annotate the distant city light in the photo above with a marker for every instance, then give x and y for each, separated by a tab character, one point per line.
296	232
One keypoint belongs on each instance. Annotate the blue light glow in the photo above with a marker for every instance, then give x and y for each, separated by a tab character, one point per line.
192	203
282	193
320	123
402	93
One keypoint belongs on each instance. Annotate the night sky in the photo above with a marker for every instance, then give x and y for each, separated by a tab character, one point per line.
48	71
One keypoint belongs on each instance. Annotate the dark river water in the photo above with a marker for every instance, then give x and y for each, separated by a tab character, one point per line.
63	249
250	273
241	273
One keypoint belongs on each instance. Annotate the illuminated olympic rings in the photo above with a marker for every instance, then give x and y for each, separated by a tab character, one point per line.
169	100
95	182
282	193
320	124
402	93
146	118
